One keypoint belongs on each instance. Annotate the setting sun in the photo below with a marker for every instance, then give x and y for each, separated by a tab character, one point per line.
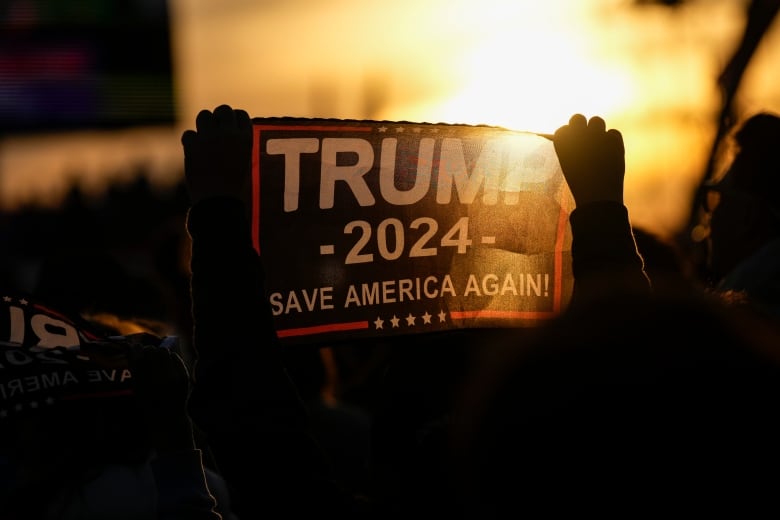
528	68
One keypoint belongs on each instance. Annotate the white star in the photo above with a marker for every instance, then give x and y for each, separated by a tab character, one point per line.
426	318
379	323
3	413
23	301
399	130
6	298
18	407
442	316
34	404
395	321
49	400
410	320
416	130
382	129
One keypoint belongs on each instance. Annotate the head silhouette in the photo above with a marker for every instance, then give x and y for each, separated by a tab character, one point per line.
743	204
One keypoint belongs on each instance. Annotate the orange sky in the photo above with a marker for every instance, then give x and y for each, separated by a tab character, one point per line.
526	65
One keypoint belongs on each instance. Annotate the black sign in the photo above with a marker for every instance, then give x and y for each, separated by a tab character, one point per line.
377	228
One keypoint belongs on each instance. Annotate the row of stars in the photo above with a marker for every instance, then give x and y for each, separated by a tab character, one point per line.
8	299
18	407
432	128
401	129
411	320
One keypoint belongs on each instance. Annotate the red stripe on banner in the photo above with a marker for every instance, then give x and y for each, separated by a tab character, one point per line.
333	327
256	187
563	220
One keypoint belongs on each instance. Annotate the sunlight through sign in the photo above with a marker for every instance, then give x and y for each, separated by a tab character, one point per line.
379	228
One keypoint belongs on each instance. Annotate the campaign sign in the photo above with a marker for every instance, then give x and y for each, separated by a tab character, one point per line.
49	359
380	228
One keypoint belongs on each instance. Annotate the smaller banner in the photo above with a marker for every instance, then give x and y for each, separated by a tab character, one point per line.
49	359
379	228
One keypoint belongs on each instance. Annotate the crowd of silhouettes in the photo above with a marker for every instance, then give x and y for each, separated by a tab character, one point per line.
653	391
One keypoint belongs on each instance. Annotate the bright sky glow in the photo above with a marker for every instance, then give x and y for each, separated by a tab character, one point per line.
521	64
528	68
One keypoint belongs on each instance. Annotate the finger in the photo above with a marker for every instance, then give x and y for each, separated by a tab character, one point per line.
616	138
575	121
188	138
578	121
205	121
224	116
597	125
243	121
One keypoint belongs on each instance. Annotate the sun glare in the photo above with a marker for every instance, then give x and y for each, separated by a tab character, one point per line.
529	71
525	65
511	84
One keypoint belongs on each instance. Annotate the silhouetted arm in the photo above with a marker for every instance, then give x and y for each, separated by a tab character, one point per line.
256	423
603	247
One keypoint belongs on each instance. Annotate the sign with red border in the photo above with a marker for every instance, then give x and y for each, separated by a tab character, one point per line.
380	228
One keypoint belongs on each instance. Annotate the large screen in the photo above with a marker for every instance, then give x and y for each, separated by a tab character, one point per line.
84	64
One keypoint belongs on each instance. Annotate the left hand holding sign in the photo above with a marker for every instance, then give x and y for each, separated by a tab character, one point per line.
218	154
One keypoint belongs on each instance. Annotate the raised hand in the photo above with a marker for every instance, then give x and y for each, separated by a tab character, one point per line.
218	154
592	159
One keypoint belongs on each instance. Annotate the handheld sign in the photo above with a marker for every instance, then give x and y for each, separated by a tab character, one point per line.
49	360
379	228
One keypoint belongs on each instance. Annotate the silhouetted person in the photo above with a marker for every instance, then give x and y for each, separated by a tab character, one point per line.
255	420
637	399
243	398
635	404
744	217
100	429
664	261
